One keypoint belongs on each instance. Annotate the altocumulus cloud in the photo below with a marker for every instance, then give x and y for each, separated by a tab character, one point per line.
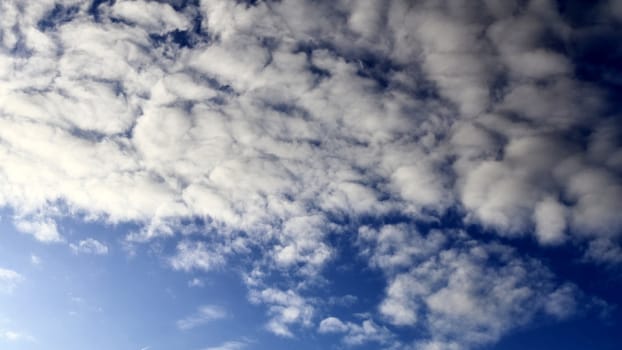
278	125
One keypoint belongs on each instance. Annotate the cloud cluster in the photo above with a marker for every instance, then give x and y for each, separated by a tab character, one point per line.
461	291
278	123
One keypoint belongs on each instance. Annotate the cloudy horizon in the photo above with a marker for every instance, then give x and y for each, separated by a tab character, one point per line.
215	174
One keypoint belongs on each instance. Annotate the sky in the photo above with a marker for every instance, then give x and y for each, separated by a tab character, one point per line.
373	174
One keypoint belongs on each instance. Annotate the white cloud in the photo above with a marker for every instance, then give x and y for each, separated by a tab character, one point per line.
550	219
204	314
293	119
35	259
332	325
355	334
196	255
196	282
89	246
111	132
152	16
9	280
472	293
286	308
43	229
13	336
229	345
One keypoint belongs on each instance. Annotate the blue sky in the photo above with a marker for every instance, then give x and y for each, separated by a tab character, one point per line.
228	175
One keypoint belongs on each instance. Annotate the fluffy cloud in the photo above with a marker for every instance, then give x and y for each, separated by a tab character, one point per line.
285	307
279	124
151	16
463	292
115	136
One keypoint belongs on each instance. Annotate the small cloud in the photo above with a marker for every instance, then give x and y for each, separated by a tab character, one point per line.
81	305
332	325
345	301
35	260
13	336
604	251
196	282
203	315
9	279
355	334
43	229
89	246
230	345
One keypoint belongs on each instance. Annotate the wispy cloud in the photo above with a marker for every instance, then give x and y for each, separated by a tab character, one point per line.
196	282
35	259
356	334
9	280
229	345
13	336
89	246
202	316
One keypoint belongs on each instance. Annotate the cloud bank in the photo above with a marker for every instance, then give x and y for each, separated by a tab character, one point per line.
265	128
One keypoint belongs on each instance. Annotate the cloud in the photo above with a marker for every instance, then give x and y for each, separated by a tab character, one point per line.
196	282
89	246
332	325
35	259
152	16
9	280
229	345
43	230
603	251
204	314
196	255
355	334
279	125
285	308
462	291
13	336
322	134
